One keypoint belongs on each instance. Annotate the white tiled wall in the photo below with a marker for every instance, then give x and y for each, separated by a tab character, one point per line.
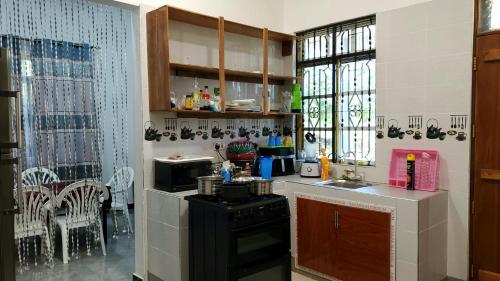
167	234
424	67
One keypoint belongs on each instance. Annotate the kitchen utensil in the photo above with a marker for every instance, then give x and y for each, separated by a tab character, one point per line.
452	132
261	187
265	131
310	170
380	134
241	150
310	137
205	136
166	134
409	132
426	167
199	133
209	185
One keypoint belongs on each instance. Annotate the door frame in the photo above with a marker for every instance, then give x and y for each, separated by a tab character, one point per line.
472	270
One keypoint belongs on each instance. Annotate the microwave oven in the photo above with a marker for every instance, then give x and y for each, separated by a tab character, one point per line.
176	176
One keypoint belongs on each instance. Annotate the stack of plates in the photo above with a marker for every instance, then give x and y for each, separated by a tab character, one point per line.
243	105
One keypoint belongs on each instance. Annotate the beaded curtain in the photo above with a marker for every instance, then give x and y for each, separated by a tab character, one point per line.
70	60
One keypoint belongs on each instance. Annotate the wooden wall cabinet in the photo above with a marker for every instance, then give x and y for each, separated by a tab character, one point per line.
347	243
160	66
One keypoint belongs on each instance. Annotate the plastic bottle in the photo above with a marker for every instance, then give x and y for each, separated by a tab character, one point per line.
296	98
324	165
410	172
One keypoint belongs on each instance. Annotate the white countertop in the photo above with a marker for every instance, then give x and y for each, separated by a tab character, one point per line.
378	189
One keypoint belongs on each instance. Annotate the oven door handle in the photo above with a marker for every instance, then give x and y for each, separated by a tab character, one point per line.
249	230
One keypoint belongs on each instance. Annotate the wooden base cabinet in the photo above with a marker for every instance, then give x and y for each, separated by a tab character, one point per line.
350	244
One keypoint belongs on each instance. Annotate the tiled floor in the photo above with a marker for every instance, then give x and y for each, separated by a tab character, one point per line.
299	277
117	265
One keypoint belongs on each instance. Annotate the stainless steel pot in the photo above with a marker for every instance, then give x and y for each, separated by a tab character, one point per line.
262	187
208	185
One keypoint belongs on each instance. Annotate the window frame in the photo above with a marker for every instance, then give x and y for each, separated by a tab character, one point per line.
334	58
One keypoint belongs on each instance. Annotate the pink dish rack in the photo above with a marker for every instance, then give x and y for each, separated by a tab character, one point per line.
426	169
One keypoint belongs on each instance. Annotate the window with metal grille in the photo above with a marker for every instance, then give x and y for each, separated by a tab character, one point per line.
336	68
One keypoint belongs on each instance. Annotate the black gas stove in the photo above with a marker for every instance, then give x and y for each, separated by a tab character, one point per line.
239	241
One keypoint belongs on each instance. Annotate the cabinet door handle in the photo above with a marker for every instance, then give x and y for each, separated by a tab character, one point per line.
336	220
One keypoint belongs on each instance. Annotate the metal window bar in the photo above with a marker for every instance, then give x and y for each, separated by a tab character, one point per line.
336	65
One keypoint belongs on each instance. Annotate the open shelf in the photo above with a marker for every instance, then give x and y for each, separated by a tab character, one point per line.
161	68
230	114
192	18
206	72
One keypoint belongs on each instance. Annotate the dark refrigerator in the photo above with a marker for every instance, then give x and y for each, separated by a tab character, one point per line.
10	163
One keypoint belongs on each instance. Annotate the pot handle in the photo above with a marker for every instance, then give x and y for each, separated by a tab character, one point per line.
432	119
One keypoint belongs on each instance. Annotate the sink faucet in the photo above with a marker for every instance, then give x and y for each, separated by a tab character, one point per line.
347	172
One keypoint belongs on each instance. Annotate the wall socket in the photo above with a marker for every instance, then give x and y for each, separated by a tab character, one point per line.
218	145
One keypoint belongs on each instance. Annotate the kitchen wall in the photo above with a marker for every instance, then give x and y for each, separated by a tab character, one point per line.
424	51
424	67
301	15
258	13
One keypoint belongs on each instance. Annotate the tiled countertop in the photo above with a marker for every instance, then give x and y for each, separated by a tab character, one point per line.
378	189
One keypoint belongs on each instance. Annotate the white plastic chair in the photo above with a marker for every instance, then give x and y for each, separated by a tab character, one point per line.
38	176
120	184
38	202
82	201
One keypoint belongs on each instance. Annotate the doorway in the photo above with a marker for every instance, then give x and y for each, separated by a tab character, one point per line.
485	168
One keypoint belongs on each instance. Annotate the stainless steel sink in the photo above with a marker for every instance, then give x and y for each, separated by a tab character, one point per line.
345	184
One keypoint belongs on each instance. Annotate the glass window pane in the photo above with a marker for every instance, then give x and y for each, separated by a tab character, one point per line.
357	142
489	15
318	80
318	113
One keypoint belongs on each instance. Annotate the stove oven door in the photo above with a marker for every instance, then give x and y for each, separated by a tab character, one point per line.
276	270
262	242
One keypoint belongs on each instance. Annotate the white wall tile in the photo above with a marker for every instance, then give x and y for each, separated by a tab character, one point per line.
432	211
432	250
163	208
163	265
407	246
458	234
407	215
164	237
406	271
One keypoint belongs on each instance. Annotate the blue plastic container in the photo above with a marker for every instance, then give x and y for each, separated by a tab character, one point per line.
272	141
277	141
266	167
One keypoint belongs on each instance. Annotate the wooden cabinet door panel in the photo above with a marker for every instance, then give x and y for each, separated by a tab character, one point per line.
486	161
316	235
363	245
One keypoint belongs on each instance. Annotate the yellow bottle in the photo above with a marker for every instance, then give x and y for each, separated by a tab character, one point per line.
324	165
